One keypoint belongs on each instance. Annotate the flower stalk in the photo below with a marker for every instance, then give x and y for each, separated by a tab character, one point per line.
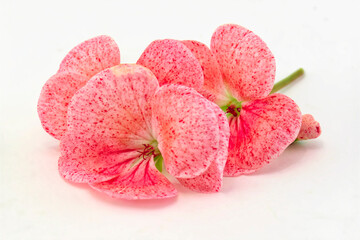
286	81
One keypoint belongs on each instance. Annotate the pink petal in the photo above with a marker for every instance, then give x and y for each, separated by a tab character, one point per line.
108	119
187	130
310	128
92	56
172	62
54	100
78	66
213	88
211	179
261	133
87	160
142	181
247	64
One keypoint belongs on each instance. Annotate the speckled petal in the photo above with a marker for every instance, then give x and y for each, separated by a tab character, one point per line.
213	88
186	129
172	63
224	40
78	66
247	64
261	133
108	119
84	162
310	128
211	179
54	100
92	56
142	181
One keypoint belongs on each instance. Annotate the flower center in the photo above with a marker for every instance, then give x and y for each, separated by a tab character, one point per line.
232	108
149	150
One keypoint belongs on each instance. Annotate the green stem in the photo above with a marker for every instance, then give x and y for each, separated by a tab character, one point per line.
286	81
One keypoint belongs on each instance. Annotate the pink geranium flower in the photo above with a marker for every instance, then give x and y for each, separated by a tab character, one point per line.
238	73
78	66
122	128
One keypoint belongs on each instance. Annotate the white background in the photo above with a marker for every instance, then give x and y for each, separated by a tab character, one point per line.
310	192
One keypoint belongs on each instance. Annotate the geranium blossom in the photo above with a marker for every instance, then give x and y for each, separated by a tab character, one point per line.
239	73
123	127
78	66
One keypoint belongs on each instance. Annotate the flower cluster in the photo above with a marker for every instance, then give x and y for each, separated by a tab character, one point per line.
183	110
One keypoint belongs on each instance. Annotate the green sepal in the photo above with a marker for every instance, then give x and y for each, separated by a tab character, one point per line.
159	162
